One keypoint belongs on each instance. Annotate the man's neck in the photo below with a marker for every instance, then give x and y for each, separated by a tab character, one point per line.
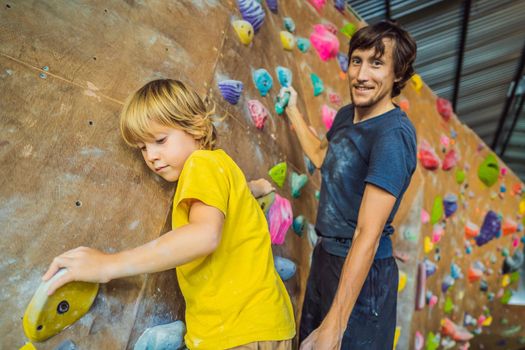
364	113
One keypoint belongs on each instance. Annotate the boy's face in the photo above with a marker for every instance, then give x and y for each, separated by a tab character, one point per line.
371	78
168	151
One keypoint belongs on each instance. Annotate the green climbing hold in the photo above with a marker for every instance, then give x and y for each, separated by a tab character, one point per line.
278	173
303	44
504	321
265	202
297	183
437	210
449	305
505	252
506	297
317	194
317	84
488	171
298	225
432	341
460	176
509	332
515	276
349	29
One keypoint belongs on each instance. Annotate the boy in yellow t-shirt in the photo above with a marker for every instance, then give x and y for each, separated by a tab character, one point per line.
219	240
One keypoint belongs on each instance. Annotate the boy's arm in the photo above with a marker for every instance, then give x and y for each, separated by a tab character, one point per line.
200	237
373	214
314	148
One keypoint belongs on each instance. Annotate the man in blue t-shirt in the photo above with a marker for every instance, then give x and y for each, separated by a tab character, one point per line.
367	160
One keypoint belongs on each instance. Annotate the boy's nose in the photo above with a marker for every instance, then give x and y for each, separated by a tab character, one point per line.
151	154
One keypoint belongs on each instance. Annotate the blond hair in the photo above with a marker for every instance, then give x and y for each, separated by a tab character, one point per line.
169	103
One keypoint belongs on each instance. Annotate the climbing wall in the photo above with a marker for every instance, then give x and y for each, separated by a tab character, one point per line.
69	180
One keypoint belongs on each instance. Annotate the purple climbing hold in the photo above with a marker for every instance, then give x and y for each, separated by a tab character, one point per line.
252	11
490	228
231	90
448	282
340	5
342	59
430	267
450	203
273	5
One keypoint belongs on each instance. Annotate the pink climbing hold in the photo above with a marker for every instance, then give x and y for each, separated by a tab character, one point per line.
425	216
317	4
456	332
280	217
450	160
419	341
437	233
444	107
335	99
325	43
404	105
428	157
331	28
258	112
328	115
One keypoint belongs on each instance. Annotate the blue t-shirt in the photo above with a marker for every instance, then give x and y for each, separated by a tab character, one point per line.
380	151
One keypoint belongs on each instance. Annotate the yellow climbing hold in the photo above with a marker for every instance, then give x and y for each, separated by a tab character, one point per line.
288	40
522	207
402	281
28	346
244	31
488	321
505	281
396	337
417	82
428	245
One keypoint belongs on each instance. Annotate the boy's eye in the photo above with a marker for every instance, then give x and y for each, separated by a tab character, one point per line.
161	140
142	147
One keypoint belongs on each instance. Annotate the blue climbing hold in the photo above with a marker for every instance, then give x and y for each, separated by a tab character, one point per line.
303	44
298	225
297	183
285	267
490	228
309	165
284	75
163	337
289	24
450	203
263	81
317	84
231	90
342	59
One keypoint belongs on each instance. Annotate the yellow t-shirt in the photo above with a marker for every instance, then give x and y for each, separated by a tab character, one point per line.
234	296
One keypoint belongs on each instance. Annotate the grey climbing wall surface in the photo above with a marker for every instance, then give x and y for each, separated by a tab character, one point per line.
67	179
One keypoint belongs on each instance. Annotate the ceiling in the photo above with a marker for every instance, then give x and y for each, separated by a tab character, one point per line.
488	37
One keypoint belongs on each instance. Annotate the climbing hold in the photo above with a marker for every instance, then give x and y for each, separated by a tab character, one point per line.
28	346
298	225
289	24
455	271
263	81
430	267
428	245
449	305
312	235
432	341
340	5
43	75
509	227
417	82
483	286
419	341
258	112
66	345
421	286
471	230
272	5
512	331
437	210
474	274
397	334
513	263
284	75
252	11
448	282
325	43
309	165
328	116
488	171
489	229
317	4
437	233
265	202
404	104
303	44
281	102
505	252
450	160
427	156
505	281
349	29
280	217
297	183
506	297
450	204
317	84
47	315
317	194
162	337
460	176
285	267
402	281
244	30
287	40
231	90
444	107
432	301
334	98
278	173
425	216
456	332
342	59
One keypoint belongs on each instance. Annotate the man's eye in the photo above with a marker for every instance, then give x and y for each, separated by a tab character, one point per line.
377	63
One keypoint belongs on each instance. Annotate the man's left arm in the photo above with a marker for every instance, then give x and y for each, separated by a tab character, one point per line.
375	209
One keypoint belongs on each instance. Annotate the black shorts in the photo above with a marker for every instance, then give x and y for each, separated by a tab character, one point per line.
372	323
